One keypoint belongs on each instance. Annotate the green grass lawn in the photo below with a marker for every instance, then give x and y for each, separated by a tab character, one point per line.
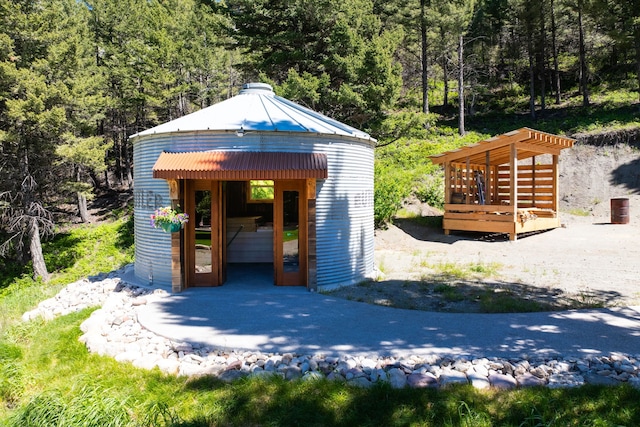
50	379
290	235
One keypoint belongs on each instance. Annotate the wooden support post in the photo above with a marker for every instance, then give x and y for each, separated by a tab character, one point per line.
513	182
218	235
447	182
487	179
177	277
533	181
468	178
496	197
454	178
556	179
312	259
176	265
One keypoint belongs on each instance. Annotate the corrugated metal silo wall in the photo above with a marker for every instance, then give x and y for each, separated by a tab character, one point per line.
344	205
152	246
344	216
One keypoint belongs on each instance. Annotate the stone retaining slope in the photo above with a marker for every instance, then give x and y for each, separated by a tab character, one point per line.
113	330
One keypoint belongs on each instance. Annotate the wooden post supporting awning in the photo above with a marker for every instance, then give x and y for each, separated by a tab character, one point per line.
240	165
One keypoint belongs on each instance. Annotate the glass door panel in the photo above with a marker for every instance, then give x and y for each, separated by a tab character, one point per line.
204	255
290	233
290	237
202	239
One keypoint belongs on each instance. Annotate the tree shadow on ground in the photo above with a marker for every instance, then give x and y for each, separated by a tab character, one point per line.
110	202
414	228
126	234
446	293
331	403
62	251
564	120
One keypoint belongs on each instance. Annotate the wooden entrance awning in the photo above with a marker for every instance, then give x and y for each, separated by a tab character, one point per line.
528	143
240	165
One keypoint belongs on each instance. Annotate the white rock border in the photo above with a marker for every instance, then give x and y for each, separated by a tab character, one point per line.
113	330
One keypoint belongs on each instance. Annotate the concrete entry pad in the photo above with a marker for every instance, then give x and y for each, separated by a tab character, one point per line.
280	320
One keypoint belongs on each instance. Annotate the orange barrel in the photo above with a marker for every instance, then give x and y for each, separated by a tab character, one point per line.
620	211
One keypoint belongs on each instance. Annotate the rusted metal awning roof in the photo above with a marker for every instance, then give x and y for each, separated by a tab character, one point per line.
528	143
240	165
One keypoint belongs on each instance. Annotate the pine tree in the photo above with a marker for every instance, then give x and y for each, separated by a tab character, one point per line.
33	120
340	44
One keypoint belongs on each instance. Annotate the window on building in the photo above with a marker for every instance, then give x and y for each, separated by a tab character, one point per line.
261	191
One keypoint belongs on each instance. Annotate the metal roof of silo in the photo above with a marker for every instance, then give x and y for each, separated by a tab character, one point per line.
257	108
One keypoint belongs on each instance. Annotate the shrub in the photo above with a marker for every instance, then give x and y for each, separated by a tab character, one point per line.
392	186
430	189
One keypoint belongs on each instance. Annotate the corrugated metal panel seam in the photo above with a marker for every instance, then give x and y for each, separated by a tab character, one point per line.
240	165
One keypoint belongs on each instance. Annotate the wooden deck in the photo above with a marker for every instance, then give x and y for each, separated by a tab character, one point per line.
497	219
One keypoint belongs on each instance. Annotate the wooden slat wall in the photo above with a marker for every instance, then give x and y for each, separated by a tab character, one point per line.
536	186
461	180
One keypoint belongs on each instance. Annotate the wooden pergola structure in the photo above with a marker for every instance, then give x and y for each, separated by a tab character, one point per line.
505	184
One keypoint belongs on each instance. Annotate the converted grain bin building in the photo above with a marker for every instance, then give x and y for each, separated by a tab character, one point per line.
266	182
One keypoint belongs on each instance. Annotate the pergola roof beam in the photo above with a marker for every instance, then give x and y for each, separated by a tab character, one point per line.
529	143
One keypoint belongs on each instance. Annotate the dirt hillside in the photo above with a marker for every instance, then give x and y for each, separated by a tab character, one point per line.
590	176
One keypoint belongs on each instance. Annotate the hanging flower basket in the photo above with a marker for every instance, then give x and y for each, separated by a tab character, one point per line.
168	219
171	227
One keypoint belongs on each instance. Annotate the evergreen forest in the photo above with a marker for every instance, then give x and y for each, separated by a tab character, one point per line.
79	77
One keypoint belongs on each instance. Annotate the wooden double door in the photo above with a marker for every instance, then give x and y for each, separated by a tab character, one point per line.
206	238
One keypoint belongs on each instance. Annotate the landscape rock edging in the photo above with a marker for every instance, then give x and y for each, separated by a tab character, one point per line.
113	330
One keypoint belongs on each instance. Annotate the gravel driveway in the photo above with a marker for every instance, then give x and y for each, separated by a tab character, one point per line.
587	256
